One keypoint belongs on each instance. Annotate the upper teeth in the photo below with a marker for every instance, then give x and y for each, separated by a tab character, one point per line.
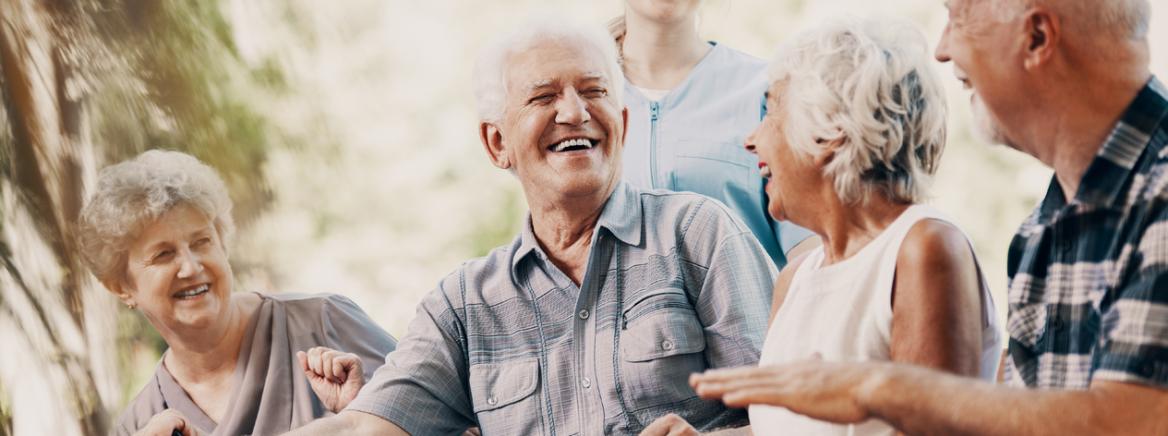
193	291
572	143
766	172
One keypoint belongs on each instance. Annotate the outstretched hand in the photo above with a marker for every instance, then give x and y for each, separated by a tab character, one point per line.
335	376
827	391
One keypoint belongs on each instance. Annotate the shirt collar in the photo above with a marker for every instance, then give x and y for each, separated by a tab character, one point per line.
621	217
1103	184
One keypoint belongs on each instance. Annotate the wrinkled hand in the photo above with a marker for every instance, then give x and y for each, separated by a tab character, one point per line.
669	425
167	423
335	376
820	390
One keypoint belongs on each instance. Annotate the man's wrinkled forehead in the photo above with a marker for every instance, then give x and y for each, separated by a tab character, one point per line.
553	62
965	10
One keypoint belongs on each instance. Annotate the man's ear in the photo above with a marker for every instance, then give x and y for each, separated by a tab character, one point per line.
492	140
1043	32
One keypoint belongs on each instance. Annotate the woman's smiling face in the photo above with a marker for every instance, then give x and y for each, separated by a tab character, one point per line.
177	272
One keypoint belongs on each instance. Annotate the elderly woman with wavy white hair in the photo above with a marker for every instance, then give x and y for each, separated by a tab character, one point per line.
155	232
855	128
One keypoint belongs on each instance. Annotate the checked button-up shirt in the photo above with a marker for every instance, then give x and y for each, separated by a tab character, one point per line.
1089	277
674	285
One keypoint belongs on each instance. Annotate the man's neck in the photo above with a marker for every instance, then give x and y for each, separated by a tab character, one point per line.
564	228
660	55
1077	120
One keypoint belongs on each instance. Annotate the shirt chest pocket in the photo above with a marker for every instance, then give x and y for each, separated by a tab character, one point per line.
661	343
503	397
708	164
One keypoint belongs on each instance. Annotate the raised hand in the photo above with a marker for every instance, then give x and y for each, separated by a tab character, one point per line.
335	376
168	422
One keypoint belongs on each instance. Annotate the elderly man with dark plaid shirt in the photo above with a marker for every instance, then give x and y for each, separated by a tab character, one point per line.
1067	82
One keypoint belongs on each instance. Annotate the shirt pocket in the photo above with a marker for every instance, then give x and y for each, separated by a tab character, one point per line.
661	344
711	166
502	395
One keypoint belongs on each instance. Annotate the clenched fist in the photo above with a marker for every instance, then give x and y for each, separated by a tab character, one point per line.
335	376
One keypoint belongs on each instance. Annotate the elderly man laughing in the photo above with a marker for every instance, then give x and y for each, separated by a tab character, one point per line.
593	318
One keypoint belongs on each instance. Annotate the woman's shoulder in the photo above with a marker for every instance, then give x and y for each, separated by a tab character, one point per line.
932	240
310	308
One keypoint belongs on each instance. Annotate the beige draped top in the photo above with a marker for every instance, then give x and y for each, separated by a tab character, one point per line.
272	395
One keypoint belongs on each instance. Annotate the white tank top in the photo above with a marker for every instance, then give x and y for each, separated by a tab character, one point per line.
844	312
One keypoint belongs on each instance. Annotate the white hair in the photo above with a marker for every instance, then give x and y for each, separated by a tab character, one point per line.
490	79
1120	18
868	86
133	194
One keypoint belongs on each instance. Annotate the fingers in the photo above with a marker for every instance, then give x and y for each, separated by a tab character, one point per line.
348	367
716	384
302	357
332	365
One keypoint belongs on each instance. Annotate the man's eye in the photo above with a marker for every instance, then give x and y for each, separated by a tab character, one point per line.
542	98
596	92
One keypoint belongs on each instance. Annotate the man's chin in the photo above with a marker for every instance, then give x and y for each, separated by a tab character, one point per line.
985	127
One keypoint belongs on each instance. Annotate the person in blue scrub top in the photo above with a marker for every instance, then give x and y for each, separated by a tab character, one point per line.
691	104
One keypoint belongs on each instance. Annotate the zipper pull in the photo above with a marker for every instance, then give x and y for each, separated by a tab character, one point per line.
653	111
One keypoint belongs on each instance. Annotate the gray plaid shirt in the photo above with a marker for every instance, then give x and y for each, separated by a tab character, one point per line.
1089	277
674	285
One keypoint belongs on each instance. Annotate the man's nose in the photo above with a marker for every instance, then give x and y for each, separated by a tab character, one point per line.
571	109
942	52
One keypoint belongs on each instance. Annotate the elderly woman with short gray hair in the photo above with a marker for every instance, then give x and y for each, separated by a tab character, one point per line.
155	232
854	130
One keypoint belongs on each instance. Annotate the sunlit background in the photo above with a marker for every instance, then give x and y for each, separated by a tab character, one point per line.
346	132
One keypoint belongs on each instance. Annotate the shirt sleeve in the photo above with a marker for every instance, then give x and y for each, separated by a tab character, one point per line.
422	387
1134	327
789	235
734	300
349	329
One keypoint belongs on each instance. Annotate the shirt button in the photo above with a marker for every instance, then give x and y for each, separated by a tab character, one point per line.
586	382
583	313
492	400
667	345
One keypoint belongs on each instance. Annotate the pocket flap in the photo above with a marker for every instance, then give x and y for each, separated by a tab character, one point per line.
669	331
494	385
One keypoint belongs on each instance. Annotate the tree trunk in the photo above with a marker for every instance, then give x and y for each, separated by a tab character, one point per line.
42	283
